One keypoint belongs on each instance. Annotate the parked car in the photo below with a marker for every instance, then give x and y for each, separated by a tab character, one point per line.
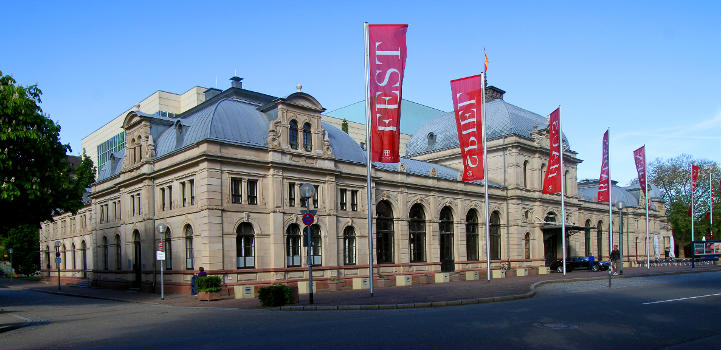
579	262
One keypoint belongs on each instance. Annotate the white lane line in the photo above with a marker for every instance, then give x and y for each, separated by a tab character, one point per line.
670	300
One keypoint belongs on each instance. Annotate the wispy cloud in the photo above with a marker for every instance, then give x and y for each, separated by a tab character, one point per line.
685	131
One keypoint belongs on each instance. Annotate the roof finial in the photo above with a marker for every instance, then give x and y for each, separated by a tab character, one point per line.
299	87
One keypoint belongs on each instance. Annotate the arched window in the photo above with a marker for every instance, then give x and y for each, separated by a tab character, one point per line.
47	255
349	246
587	238
565	183
472	235
73	253
65	258
495	235
635	249
543	174
417	233
384	233
317	249
168	250
83	257
445	227
525	174
527	245
105	253
188	247
307	139
292	245
293	134
245	246
135	153
599	239
118	256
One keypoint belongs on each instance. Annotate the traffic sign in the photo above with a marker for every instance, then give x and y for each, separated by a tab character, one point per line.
159	255
57	260
161	247
308	218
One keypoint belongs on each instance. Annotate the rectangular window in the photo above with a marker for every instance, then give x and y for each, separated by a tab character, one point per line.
315	196
102	214
343	200
107	212
162	199
235	190
253	192
170	197
192	191
120	210
137	196
182	191
132	200
354	200
115	211
291	194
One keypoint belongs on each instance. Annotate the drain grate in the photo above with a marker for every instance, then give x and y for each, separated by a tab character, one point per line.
555	325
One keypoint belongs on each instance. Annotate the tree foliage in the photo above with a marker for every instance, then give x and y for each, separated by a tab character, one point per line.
36	178
24	241
673	177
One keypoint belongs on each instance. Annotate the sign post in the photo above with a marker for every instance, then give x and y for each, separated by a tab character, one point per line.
160	255
306	193
57	260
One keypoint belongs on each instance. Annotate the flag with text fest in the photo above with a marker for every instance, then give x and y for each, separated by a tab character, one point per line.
552	181
639	157
604	184
387	62
467	106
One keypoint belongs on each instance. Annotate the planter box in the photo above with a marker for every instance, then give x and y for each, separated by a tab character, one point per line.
209	296
244	292
442	277
471	275
403	280
521	272
543	270
361	283
498	274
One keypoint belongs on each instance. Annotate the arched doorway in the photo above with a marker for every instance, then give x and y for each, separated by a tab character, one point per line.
417	233
446	240
384	233
84	258
551	238
137	260
587	238
599	239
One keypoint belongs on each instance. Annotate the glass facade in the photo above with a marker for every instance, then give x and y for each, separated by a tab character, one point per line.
114	144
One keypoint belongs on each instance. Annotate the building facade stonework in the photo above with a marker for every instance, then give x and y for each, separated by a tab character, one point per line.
225	176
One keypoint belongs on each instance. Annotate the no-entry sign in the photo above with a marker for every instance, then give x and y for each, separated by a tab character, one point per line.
308	219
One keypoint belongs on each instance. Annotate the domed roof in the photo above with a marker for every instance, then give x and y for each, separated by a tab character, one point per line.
227	120
588	191
503	119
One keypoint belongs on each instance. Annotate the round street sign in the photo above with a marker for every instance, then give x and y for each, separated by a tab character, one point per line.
308	218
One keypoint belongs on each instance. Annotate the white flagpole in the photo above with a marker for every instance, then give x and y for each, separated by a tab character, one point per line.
485	174
610	201
563	192
368	164
647	196
692	206
710	186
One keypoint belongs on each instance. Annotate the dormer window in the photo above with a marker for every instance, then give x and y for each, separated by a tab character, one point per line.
431	138
293	134
307	140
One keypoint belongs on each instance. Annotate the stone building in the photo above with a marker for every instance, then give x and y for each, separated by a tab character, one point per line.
224	176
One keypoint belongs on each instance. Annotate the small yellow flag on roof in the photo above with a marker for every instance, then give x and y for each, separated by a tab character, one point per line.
485	64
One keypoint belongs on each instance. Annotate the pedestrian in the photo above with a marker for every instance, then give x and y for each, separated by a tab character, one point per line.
201	272
615	257
590	261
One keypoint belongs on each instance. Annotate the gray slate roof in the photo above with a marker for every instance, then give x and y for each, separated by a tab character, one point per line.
588	190
503	119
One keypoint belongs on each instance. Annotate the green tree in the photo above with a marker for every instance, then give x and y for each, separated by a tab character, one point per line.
37	180
344	126
673	177
24	241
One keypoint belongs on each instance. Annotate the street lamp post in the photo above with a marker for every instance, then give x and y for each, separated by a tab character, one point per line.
12	270
161	228
57	260
306	193
620	237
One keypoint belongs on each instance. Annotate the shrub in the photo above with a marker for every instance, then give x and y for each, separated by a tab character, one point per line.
208	284
274	295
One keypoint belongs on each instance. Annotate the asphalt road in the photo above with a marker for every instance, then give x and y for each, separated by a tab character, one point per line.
677	311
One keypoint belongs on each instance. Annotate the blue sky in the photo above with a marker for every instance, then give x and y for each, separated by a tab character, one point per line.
649	70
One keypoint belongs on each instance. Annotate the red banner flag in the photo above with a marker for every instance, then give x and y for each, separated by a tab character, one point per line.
552	180
694	177
604	184
467	104
639	156
387	62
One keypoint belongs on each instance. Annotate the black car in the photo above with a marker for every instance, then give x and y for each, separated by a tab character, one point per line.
579	262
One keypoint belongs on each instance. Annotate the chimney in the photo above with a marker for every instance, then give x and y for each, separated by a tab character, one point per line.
494	93
210	93
237	82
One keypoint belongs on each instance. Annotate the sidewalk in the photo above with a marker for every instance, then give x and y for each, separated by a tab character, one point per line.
423	295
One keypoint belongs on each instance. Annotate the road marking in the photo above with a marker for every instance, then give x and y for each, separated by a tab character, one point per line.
670	300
